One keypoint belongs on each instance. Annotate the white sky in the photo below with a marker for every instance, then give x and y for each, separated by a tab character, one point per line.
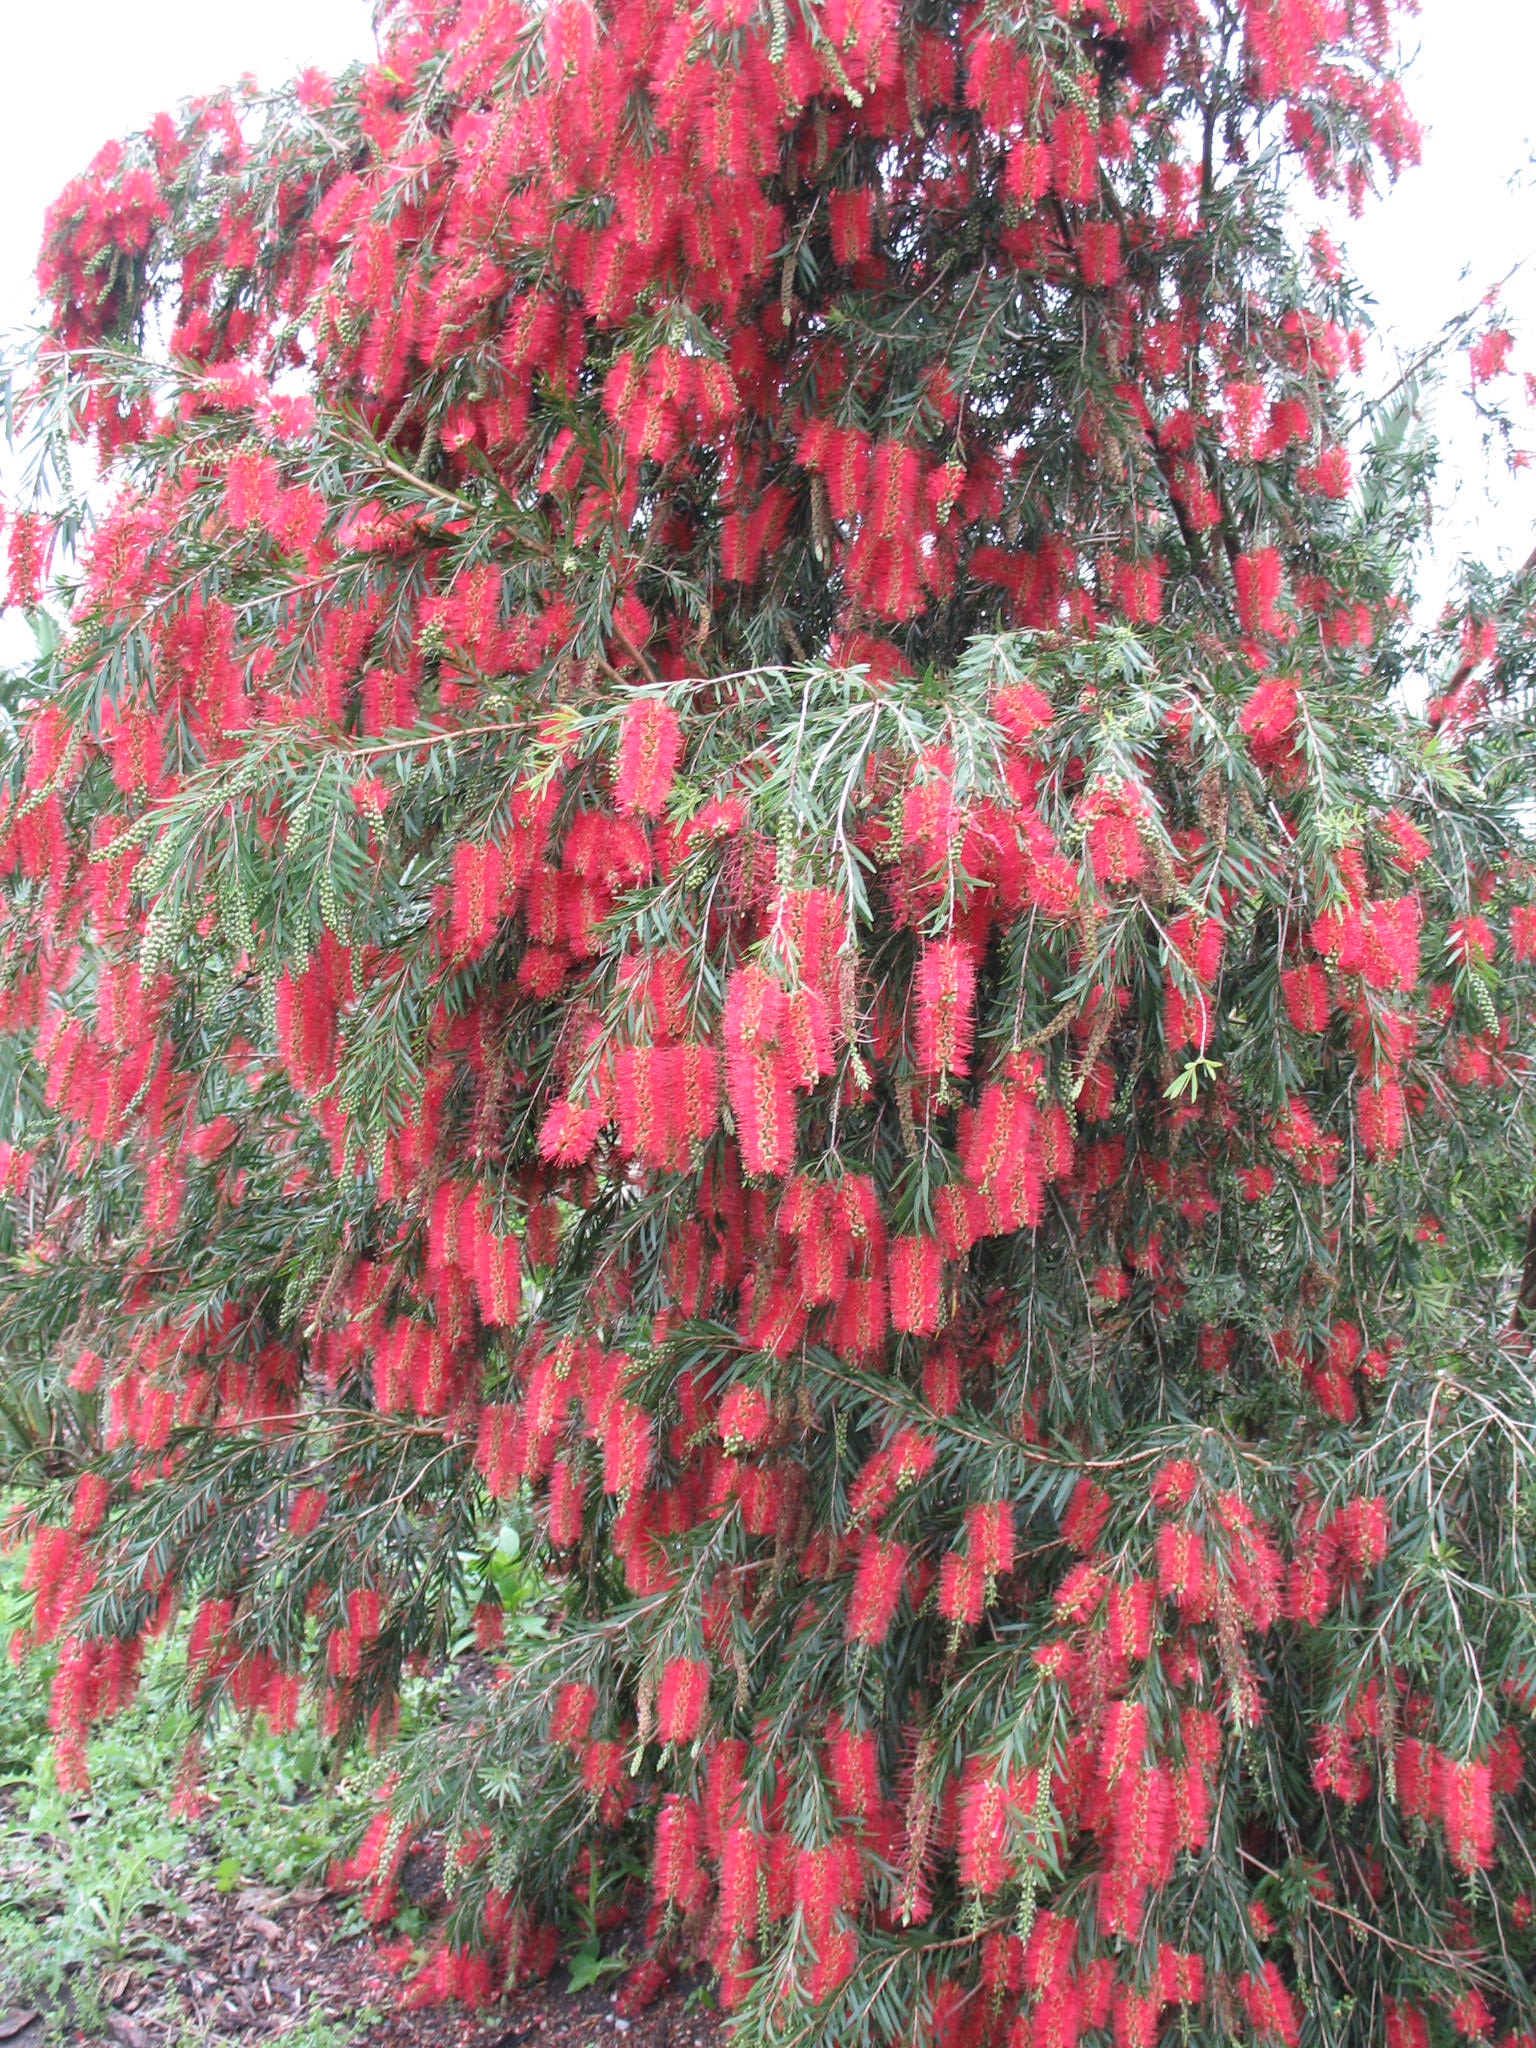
96	68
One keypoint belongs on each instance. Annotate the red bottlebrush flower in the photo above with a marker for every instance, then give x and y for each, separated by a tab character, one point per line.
1183	1574
908	1458
1057	2020
1313	1151
724	1766
496	1455
1488	356
941	1380
892	506
1289	421
852	1763
59	1575
1173	1486
1308	1003
1471	2017
605	1776
878	1579
914	1272
645	1983
1128	1618
851	219
1337	1768
306	1512
946	996
1258	578
929	816
1087	1512
836	1958
962	1589
1050	1952
85	1374
1329	477
250	488
569	1132
498	1279
1214	1347
1181	1978
1199	942
741	1861
1144	1839
757	1080
989	1536
682	1698
1469	939
27	559
476	899
1022	711
668	1102
1268	2004
1381	1119
771	1319
677	1874
807	1037
1522	931
1416	1766
1080	1594
1506	1763
1115	848
567	1499
1464	1799
1407	847
1268	721
650	746
88	1509
1245	410
1001	1149
1137	2016
626	1448
1191	1808
744	1419
1098	253
858	1327
985	1861
571	1717
537	1954
1074	156
1188	1019
827	1884
1122	1741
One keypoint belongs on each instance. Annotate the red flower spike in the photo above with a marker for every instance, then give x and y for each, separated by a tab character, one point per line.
681	1699
877	1586
650	747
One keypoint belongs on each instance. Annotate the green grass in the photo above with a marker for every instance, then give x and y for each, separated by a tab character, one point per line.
80	1877
79	1874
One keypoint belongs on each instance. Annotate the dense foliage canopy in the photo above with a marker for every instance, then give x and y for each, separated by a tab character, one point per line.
718	843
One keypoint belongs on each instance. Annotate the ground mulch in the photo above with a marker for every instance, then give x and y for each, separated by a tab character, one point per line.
256	1964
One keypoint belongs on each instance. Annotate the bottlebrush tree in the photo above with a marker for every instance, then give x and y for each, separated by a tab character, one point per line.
720	840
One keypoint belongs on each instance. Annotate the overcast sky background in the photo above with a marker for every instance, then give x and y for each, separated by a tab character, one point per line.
77	74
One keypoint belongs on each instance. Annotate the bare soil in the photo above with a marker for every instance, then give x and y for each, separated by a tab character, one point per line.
257	1964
